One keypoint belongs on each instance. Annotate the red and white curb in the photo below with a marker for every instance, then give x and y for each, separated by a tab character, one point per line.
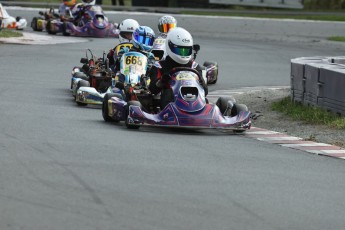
285	140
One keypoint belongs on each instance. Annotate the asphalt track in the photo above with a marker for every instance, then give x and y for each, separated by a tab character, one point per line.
63	167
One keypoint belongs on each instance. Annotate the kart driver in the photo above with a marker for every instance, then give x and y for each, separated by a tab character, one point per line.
179	49
65	7
166	23
143	38
126	28
142	42
80	8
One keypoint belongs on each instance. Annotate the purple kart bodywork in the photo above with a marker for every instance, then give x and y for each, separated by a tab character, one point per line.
93	23
189	108
208	117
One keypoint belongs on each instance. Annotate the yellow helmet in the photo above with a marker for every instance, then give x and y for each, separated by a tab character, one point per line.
69	2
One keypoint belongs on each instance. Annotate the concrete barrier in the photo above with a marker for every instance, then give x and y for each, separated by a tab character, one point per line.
319	81
332	82
298	75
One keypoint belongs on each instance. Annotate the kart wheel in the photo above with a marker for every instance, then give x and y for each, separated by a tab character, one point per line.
64	29
236	109
214	72
48	27
82	83
222	104
81	75
34	24
105	107
128	125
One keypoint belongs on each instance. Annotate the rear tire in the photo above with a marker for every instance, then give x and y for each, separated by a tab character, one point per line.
128	125
82	83
222	104
48	27
64	29
105	106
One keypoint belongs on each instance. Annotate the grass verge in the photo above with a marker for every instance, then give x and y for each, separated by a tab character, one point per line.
337	38
7	33
325	17
308	114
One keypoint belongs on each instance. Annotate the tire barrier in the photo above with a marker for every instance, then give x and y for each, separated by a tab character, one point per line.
319	81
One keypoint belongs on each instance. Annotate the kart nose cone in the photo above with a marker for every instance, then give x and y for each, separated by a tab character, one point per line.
189	99
99	22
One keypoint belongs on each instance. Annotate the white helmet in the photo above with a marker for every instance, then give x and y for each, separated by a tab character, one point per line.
179	45
126	29
89	2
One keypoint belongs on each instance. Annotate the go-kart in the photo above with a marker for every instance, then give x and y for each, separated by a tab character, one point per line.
92	81
89	22
186	107
9	22
39	23
210	68
131	85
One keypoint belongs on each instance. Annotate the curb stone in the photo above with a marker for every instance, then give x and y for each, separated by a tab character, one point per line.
37	39
295	143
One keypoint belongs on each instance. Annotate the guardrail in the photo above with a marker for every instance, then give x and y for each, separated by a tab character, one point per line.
319	81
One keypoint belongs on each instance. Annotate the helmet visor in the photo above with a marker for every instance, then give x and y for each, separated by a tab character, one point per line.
181	50
164	28
126	35
144	40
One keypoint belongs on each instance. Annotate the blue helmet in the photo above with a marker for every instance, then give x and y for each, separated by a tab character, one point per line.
143	38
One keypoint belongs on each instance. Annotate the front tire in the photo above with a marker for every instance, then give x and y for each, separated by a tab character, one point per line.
34	24
222	104
105	106
236	109
129	125
82	83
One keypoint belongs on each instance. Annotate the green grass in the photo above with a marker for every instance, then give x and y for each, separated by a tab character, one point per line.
326	17
337	38
7	33
104	2
309	114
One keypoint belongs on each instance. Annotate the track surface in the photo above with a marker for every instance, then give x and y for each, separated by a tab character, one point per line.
63	167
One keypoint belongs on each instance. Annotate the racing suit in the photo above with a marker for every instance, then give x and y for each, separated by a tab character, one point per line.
160	78
114	55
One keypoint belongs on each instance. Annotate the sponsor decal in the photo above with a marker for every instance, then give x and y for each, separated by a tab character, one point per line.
184	76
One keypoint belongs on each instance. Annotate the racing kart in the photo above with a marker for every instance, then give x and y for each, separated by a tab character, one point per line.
130	87
187	107
39	23
92	81
89	22
210	68
9	22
